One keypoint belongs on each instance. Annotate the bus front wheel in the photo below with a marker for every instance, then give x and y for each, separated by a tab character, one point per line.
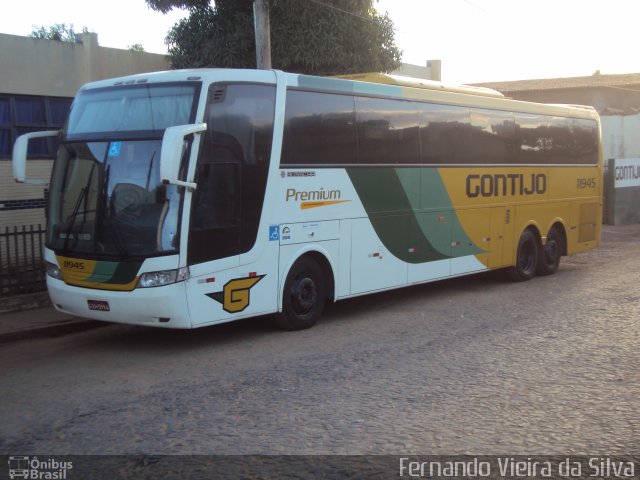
526	258
303	296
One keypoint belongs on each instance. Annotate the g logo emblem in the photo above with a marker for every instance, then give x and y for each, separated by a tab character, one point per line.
235	296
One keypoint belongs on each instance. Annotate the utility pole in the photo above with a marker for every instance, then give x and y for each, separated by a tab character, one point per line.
263	37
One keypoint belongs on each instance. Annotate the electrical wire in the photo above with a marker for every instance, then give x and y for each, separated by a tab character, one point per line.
318	2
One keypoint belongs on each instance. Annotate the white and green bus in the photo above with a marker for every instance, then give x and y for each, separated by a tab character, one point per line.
183	199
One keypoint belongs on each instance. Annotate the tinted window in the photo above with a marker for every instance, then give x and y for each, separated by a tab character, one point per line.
5	142
232	171
4	111
59	109
444	133
5	133
492	137
387	131
320	128
561	142
547	139
532	135
586	137
30	111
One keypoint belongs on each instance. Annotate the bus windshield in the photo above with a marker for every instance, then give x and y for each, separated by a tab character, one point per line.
106	197
131	110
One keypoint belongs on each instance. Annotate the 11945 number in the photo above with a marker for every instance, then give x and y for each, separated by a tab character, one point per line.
587	182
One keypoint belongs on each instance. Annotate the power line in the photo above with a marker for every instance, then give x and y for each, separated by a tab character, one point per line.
469	2
343	11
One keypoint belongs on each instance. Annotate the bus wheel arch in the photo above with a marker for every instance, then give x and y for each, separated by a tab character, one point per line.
555	247
309	283
527	253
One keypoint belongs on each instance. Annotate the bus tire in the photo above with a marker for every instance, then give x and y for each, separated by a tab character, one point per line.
303	297
526	258
550	253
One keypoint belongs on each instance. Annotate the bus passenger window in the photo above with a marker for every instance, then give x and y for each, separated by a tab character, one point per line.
320	129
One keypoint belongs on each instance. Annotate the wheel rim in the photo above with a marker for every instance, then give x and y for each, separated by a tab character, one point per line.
304	296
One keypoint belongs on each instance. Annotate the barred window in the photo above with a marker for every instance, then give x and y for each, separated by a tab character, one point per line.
20	114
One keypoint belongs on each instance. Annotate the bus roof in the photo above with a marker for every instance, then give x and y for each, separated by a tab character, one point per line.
364	83
421	83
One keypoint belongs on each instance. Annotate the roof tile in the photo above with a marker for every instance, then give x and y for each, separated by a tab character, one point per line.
596	80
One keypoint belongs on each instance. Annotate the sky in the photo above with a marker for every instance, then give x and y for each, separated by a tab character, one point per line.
476	40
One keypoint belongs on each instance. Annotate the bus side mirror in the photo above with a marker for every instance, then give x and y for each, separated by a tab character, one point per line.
19	160
172	151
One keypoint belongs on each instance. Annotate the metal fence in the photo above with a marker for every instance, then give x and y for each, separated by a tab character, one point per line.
22	268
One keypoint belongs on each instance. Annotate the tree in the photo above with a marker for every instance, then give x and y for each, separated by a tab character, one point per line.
136	47
58	31
321	37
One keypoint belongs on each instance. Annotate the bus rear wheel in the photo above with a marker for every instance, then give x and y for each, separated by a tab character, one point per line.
303	297
550	253
526	258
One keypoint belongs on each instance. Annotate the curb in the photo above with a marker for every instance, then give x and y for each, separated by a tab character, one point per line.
55	330
24	301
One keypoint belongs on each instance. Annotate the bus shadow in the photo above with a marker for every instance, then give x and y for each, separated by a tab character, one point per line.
122	337
125	337
396	297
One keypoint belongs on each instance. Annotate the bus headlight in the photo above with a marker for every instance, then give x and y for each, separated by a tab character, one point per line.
53	271
164	277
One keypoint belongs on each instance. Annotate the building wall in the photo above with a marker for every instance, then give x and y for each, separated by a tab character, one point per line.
48	68
44	67
432	70
601	98
620	136
622	191
620	141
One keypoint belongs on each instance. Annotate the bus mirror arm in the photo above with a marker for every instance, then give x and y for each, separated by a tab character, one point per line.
19	159
172	152
180	183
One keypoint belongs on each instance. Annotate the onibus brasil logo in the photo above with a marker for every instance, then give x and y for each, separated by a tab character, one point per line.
40	469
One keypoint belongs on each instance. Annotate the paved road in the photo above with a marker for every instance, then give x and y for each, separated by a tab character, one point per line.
475	365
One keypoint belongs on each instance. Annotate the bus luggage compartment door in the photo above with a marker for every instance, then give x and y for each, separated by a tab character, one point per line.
373	267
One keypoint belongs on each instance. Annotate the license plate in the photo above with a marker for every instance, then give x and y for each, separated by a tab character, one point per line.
99	305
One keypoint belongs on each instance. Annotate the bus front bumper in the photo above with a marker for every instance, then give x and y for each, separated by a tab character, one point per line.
164	306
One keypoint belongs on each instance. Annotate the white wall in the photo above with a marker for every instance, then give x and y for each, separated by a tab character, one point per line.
620	136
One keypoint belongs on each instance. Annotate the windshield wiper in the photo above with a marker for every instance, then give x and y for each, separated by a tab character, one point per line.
115	231
76	209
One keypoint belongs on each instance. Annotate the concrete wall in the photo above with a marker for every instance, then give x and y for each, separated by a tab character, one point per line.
620	140
620	136
44	67
622	191
600	98
50	68
432	70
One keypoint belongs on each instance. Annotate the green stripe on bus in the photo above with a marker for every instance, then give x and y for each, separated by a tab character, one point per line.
118	273
411	212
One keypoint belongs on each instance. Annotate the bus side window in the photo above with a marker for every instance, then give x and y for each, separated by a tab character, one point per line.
231	172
